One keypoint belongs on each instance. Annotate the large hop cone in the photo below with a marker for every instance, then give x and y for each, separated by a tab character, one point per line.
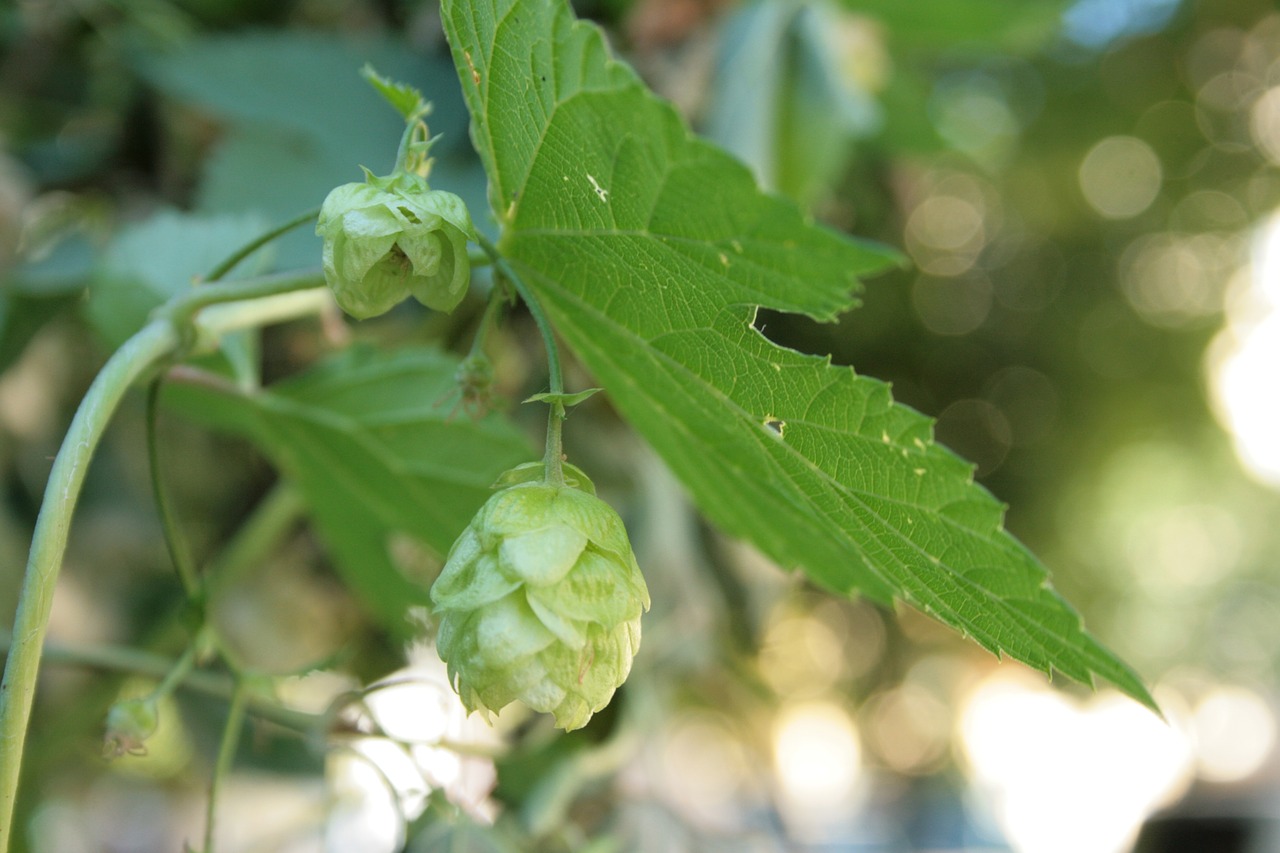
540	600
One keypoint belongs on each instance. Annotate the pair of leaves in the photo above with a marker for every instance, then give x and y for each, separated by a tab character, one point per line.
650	251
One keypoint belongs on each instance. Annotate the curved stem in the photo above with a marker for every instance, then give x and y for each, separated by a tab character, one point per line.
138	355
183	308
554	457
178	552
257	243
226	755
161	339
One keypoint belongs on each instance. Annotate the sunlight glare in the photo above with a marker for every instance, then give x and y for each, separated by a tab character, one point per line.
1244	359
817	759
1235	733
1063	777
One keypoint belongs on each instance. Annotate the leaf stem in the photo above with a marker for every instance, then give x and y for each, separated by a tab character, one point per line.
554	457
178	672
232	260
226	755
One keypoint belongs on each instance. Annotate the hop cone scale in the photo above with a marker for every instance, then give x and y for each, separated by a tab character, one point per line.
540	600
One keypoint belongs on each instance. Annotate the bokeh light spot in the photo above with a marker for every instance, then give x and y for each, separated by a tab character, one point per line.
1120	177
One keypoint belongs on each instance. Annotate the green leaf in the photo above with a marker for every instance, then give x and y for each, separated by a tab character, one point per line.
650	251
566	400
382	456
406	99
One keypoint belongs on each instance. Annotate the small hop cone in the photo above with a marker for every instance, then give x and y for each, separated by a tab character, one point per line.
390	238
130	723
540	600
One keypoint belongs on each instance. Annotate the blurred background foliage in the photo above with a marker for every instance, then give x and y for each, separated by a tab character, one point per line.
1088	193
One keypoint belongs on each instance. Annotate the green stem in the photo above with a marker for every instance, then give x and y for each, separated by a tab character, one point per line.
554	457
161	339
182	309
17	691
226	755
179	671
178	552
130	661
257	243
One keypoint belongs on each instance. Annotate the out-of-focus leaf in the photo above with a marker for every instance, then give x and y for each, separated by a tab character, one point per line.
975	26
32	293
302	120
377	446
64	271
148	263
788	100
21	316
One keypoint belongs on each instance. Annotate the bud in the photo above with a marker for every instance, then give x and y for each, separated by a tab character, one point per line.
130	722
390	238
540	600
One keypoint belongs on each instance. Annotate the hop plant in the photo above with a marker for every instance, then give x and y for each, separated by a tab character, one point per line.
390	238
540	600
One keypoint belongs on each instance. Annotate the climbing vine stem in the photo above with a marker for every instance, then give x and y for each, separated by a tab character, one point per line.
170	332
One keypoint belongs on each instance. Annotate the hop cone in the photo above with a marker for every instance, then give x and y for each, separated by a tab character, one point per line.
540	600
390	238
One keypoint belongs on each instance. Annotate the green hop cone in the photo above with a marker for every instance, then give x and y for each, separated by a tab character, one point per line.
390	238
130	722
540	600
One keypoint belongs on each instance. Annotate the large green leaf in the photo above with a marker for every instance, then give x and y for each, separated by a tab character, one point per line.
380	451
650	250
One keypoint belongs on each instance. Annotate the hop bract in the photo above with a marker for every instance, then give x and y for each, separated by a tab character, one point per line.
540	600
390	238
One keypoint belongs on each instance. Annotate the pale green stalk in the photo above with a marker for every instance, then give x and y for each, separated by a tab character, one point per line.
169	333
226	755
135	358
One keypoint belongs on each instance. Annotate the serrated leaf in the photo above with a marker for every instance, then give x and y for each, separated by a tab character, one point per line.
404	98
376	444
650	251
